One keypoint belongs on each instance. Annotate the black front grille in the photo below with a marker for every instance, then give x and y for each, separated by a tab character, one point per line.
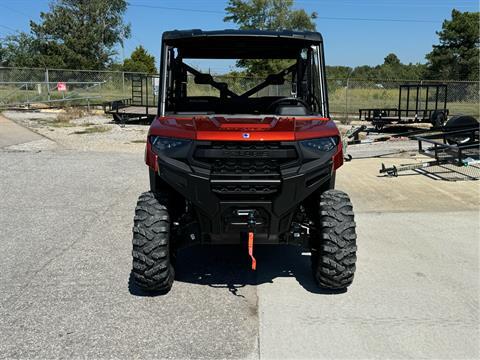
251	168
245	189
247	167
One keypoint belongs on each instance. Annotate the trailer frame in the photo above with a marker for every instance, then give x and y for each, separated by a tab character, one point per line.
141	106
460	148
434	111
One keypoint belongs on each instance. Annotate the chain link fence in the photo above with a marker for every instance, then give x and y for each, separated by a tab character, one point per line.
347	96
239	85
22	87
56	87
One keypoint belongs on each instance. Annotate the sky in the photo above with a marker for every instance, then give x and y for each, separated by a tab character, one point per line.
355	32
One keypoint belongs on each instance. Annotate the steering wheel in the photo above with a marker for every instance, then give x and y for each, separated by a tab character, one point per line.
288	100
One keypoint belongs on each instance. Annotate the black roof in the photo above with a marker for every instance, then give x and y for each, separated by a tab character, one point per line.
195	33
240	43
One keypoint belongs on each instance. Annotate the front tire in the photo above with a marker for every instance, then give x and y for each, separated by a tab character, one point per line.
152	266
334	244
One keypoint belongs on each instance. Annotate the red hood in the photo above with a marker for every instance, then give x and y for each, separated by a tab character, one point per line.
231	128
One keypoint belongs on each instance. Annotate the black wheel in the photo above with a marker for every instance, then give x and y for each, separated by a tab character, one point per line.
117	119
152	265
334	244
379	127
458	123
437	118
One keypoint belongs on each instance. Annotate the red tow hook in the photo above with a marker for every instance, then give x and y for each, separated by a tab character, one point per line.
250	214
250	250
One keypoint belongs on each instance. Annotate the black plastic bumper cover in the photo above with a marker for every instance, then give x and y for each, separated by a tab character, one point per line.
216	214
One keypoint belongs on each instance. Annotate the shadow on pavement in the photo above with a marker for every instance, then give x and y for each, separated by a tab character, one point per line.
228	267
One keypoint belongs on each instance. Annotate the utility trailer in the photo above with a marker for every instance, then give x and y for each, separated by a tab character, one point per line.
454	150
417	103
142	105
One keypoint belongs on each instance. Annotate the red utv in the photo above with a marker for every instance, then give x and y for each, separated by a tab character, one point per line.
231	163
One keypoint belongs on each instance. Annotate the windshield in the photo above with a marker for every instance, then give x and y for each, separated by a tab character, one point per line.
247	86
235	82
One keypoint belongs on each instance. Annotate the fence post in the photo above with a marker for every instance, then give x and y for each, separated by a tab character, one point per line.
47	82
123	84
346	100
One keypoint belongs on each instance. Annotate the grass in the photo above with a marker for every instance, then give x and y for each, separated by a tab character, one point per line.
71	113
358	98
59	124
363	94
13	95
93	130
64	118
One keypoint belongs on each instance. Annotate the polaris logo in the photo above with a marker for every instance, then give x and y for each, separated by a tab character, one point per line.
246	135
245	153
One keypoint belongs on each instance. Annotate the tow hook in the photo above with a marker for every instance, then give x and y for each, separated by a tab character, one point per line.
250	250
251	226
250	214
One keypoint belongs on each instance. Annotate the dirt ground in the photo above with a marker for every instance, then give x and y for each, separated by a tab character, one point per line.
89	132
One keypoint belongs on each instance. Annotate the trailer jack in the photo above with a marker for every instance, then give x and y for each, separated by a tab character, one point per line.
393	171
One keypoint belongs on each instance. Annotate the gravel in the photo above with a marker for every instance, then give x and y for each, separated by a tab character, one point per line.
109	138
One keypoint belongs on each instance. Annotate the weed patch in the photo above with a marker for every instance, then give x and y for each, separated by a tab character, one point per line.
92	130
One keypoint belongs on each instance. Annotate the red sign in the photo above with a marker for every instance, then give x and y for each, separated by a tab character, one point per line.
61	86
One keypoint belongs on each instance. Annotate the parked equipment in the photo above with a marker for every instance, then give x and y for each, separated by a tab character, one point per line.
455	146
142	105
417	103
230	166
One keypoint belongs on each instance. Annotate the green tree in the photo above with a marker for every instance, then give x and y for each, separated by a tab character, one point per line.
19	50
72	34
271	15
268	15
392	60
140	61
338	72
457	55
392	68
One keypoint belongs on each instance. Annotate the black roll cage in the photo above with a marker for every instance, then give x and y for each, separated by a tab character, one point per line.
308	72
272	79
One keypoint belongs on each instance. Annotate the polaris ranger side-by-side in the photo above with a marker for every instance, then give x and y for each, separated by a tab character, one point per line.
249	166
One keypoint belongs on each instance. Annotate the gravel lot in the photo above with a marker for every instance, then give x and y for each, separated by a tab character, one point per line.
65	241
105	136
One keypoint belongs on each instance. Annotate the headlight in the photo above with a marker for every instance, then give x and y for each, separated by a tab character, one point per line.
171	147
315	147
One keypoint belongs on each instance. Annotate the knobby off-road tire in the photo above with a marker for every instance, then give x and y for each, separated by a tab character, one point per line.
152	267
334	247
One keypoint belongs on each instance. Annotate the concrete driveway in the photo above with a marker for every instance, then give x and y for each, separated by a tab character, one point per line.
13	134
65	242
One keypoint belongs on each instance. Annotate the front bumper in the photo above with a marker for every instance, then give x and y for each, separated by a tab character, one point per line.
218	198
